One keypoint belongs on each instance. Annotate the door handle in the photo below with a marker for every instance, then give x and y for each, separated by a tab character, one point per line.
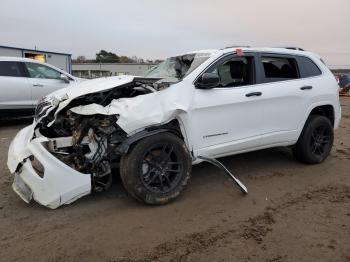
39	85
253	94
305	87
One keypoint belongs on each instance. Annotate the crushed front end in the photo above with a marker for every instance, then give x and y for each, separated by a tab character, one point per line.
80	133
63	156
56	169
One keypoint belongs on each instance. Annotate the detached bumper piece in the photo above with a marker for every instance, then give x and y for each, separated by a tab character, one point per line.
59	184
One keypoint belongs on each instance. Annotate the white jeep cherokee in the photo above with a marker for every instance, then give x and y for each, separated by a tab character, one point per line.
192	107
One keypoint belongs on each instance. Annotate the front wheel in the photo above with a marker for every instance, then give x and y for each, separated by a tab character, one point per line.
315	141
156	169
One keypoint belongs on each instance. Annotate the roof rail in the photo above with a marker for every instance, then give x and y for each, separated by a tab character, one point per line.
233	46
293	48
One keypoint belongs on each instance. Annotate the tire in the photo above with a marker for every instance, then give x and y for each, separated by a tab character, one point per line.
156	170
316	140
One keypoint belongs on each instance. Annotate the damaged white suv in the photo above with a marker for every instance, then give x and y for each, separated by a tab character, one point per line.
190	108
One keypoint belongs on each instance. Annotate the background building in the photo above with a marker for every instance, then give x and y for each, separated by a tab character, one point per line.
60	60
95	70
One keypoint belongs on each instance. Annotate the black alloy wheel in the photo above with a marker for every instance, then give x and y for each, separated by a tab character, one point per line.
161	169
316	140
156	169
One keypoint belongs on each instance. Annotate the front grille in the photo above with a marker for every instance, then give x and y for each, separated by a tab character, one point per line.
42	107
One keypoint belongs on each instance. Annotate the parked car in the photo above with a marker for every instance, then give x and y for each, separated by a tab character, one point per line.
190	108
24	81
344	84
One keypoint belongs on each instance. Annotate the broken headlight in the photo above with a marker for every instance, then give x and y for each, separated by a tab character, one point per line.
41	109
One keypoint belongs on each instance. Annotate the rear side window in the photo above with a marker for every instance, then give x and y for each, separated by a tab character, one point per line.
307	67
279	68
10	68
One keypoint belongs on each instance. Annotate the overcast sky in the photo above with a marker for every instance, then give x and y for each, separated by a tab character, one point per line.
160	28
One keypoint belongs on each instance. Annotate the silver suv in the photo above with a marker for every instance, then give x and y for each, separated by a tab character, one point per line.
24	81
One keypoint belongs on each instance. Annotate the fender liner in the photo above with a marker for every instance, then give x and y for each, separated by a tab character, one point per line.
124	147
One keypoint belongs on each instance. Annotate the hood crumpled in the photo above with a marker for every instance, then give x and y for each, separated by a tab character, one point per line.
144	110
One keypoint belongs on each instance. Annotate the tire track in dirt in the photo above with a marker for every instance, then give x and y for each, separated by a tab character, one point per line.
255	228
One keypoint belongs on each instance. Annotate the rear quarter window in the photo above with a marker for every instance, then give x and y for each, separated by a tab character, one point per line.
307	67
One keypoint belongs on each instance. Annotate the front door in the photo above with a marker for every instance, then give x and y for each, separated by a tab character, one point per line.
44	80
227	118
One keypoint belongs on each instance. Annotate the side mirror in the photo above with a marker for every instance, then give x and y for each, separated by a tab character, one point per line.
208	81
64	78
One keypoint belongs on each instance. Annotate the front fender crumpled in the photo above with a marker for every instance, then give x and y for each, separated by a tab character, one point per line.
145	110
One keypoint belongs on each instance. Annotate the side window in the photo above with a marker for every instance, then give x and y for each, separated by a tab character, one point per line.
279	68
237	71
307	67
10	68
42	71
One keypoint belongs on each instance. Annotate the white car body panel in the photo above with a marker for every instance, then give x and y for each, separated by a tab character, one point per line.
18	93
157	108
215	123
212	126
42	87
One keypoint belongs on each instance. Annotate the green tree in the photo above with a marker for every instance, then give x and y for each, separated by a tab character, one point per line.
124	59
107	57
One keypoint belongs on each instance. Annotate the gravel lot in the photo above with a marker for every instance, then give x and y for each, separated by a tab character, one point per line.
293	212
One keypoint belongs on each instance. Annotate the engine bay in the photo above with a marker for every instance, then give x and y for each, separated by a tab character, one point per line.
88	143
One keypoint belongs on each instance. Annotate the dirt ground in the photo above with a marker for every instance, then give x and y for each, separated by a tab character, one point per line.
293	212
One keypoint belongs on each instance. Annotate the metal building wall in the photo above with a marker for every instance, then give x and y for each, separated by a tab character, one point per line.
94	70
10	52
62	61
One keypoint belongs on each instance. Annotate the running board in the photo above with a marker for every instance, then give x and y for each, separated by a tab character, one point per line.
220	165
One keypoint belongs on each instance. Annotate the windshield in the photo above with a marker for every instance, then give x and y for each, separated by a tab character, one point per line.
178	66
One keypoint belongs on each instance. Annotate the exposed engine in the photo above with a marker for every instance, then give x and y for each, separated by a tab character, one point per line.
91	148
89	143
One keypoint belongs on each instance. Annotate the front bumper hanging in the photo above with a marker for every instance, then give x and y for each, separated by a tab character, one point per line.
59	184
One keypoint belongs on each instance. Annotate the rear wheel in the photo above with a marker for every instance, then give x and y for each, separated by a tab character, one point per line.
315	141
156	169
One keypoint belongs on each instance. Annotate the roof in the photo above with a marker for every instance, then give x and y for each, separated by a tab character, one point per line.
33	50
281	50
97	63
18	59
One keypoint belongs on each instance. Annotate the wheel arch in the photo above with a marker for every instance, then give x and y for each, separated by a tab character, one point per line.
174	126
326	110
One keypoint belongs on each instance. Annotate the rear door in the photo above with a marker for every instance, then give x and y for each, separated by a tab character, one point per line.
43	79
15	90
285	96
